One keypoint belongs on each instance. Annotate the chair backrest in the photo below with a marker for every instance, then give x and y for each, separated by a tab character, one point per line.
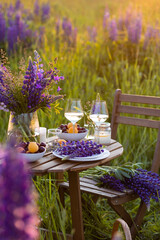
120	109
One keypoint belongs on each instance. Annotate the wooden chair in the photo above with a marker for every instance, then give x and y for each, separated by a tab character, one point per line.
117	199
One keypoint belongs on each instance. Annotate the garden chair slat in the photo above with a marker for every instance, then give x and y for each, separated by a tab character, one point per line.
139	110
91	181
138	122
139	99
93	190
105	190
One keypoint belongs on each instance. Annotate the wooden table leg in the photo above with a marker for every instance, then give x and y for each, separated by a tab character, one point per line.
76	205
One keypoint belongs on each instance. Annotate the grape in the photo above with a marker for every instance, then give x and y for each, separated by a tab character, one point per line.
22	144
63	129
41	149
80	131
42	144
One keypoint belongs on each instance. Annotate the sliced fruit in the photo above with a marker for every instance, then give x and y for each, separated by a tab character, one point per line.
70	125
70	130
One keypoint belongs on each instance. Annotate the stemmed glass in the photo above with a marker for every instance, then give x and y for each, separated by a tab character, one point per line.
99	112
73	111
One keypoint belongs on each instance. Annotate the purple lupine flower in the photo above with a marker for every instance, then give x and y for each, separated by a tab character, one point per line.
58	22
106	18
128	17
67	27
112	30
151	33
112	182
121	24
134	30
67	31
45	12
18	5
19	24
12	38
59	89
36	8
34	85
41	36
74	37
2	28
92	32
144	183
10	12
18	218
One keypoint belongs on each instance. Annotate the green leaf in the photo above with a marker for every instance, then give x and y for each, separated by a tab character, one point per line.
125	174
118	175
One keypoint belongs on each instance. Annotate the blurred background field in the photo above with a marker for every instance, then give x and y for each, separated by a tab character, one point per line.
101	46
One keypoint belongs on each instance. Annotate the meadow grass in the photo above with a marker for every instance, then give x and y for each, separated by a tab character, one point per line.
91	67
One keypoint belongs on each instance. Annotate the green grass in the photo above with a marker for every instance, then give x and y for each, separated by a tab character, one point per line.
90	68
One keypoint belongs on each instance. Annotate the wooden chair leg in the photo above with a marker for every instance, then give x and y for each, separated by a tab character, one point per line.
120	210
138	219
76	205
59	179
61	196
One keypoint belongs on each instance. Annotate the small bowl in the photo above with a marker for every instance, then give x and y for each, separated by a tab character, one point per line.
72	136
32	157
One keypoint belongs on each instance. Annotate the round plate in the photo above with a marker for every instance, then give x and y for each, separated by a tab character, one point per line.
32	157
72	136
96	157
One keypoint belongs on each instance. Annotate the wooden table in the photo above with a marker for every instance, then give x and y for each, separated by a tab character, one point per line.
52	164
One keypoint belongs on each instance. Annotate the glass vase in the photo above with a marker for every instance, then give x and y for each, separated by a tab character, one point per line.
23	127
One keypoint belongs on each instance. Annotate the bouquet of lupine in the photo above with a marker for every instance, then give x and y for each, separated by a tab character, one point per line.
31	91
144	183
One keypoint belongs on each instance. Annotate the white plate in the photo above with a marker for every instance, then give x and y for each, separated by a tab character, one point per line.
32	157
96	157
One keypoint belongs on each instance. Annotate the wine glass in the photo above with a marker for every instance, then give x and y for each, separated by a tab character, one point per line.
73	111
99	113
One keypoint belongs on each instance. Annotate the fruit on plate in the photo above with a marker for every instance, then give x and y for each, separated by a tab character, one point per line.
30	147
68	128
62	142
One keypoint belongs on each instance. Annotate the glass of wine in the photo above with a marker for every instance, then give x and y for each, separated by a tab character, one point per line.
99	113
73	111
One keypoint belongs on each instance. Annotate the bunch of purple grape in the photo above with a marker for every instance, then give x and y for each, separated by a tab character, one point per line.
22	147
65	127
79	149
144	183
